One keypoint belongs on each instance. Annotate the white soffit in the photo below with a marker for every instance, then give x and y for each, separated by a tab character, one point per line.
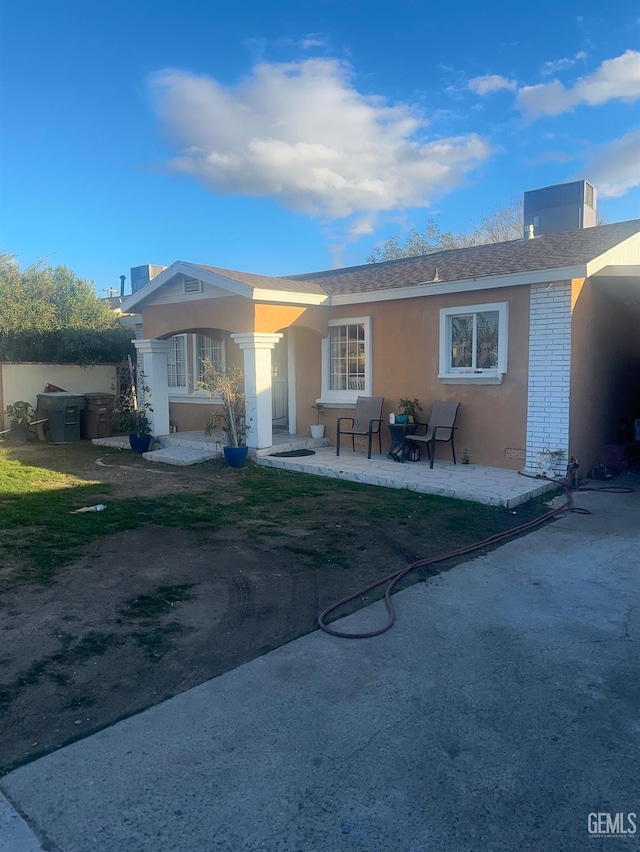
537	276
216	286
625	254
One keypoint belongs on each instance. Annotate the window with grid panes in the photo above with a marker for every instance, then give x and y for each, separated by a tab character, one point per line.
177	362
209	349
347	361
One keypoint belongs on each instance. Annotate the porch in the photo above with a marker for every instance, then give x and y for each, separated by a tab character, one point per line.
491	486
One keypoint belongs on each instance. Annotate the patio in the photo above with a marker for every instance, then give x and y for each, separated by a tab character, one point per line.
492	486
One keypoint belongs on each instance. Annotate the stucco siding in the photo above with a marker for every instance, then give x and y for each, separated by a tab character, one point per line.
307	344
406	336
190	417
233	314
405	362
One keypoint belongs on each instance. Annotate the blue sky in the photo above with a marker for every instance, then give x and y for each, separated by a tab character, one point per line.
286	137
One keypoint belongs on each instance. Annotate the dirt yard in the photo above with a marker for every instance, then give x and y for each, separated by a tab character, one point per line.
188	573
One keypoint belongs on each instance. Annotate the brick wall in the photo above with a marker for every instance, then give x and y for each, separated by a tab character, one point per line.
549	371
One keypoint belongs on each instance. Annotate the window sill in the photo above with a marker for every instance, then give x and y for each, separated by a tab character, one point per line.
338	403
471	378
193	399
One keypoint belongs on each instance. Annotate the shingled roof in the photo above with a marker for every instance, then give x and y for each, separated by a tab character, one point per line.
552	251
265	282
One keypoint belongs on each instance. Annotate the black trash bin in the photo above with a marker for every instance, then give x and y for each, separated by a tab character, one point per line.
63	411
95	418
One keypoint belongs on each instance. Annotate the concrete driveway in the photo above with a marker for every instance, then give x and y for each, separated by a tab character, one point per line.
500	712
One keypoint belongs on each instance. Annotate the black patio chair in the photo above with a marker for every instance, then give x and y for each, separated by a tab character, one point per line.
440	427
366	420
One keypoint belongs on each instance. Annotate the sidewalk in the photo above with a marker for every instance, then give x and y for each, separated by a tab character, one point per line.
496	715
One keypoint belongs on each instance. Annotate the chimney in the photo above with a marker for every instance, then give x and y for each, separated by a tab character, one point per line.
563	207
122	280
529	232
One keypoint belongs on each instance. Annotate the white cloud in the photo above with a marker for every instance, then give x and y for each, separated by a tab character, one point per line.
302	133
362	226
615	168
556	65
615	79
490	83
314	40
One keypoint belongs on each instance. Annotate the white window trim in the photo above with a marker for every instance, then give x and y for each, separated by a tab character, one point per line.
194	399
458	375
347	397
197	392
178	390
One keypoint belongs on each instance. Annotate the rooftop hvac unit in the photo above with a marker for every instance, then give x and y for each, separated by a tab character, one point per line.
563	207
141	275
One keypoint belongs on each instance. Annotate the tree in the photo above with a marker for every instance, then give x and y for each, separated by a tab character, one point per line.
43	298
499	225
51	315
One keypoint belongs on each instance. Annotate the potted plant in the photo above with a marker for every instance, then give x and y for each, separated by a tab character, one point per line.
317	428
228	387
408	411
130	417
140	436
20	414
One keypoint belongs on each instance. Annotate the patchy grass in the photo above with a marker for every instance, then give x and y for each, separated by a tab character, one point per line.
17	479
156	641
145	613
73	651
158	603
39	534
199	568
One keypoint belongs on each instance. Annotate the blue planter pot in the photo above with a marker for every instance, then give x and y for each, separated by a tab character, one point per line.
236	456
140	443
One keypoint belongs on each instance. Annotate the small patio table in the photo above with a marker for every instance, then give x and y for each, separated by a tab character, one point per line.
398	432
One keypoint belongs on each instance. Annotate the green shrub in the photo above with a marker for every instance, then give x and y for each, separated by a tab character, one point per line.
68	346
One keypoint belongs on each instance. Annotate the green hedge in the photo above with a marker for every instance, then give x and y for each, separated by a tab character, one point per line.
68	346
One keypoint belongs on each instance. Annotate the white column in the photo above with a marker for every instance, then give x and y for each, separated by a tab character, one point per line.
549	372
257	348
153	354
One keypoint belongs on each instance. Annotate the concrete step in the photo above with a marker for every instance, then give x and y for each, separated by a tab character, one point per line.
186	448
193	441
181	456
120	442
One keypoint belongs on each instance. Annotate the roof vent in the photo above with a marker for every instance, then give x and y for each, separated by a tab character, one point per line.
191	285
529	232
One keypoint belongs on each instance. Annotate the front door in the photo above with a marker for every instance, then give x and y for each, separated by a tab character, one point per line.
279	386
